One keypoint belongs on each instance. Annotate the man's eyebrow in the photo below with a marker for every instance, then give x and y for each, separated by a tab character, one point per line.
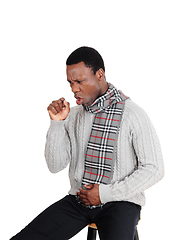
71	80
74	80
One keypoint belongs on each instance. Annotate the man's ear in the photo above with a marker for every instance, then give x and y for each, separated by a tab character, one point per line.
100	74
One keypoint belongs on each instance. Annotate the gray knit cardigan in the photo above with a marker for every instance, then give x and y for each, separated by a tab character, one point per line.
139	162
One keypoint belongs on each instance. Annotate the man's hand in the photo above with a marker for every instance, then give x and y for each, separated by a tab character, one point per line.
59	110
90	196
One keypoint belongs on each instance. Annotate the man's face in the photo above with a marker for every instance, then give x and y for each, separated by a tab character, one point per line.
84	84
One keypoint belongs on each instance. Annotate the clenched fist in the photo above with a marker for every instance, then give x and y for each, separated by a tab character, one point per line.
59	110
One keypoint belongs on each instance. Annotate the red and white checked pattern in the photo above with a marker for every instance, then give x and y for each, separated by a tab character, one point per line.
100	153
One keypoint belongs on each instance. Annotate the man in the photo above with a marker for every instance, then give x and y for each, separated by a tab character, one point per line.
113	154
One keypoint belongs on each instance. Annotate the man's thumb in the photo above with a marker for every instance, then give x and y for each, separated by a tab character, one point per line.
90	186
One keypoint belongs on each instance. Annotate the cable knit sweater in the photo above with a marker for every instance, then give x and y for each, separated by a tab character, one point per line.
139	162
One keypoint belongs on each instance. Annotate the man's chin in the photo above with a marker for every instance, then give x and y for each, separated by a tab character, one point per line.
87	104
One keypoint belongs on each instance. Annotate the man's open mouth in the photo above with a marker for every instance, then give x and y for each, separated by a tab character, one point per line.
79	100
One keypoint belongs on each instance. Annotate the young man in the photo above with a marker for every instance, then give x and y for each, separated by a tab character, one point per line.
113	153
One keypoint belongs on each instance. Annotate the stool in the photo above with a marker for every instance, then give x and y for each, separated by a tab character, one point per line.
92	232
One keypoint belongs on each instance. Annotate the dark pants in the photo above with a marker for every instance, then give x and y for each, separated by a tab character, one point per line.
65	218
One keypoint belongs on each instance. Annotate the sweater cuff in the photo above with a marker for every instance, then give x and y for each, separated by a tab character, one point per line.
56	125
106	193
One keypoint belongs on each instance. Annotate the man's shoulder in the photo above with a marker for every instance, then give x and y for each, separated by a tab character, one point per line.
134	112
132	107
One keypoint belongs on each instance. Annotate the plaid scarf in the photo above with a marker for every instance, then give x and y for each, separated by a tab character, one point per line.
101	148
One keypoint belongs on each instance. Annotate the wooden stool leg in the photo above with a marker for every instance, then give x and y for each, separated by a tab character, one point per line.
92	233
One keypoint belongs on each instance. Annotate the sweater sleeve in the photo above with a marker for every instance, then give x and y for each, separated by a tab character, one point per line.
57	149
150	168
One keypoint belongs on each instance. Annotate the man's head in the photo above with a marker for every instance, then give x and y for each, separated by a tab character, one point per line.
89	56
86	75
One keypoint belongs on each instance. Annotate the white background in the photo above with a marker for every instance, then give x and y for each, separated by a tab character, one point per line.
141	43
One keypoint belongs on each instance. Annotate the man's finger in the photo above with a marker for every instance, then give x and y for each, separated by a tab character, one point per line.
56	105
82	196
60	102
83	191
61	99
86	202
66	104
90	186
52	109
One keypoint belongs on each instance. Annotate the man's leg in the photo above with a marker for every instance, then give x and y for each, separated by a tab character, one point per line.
118	221
60	221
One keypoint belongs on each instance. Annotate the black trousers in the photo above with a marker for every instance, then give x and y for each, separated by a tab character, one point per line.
65	218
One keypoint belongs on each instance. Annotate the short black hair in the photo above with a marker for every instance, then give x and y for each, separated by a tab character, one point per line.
89	56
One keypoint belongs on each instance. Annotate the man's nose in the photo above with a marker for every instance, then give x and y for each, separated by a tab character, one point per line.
75	87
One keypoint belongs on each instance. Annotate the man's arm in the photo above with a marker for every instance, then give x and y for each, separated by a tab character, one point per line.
150	162
57	149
